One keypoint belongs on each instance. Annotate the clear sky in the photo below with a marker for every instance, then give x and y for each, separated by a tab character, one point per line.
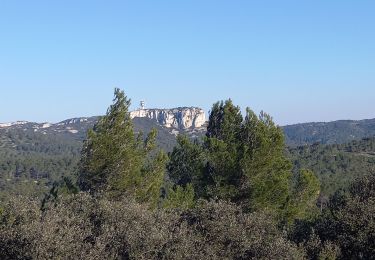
310	60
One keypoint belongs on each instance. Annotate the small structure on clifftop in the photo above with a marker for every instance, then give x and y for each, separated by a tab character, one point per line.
142	105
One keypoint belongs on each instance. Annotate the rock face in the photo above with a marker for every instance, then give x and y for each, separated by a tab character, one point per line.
180	118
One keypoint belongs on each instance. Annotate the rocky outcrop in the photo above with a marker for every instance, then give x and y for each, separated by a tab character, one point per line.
180	118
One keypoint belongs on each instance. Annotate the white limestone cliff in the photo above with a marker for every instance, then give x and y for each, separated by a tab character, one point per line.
179	118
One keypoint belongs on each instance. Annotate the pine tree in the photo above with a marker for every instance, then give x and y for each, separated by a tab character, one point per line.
186	164
305	193
222	173
266	169
242	160
116	161
111	149
151	180
224	122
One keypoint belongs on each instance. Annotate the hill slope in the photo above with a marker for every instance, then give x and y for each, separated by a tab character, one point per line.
33	156
336	132
336	165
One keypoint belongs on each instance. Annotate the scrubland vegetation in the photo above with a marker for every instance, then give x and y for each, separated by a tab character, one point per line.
232	195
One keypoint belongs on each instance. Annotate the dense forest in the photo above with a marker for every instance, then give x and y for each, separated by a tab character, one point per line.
336	165
236	193
31	162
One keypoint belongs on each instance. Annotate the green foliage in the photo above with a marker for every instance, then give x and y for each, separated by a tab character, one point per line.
263	162
232	195
222	172
30	162
306	191
345	228
180	197
111	153
186	164
62	188
164	140
337	165
84	227
243	160
224	121
151	181
319	250
117	162
349	222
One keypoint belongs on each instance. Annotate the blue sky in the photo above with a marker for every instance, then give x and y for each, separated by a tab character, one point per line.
297	60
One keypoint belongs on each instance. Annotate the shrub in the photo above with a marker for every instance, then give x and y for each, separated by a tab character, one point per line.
83	227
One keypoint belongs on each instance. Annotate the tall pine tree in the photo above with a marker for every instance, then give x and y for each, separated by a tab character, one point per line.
116	161
242	160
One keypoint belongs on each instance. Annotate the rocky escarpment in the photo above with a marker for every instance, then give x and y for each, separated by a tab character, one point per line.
182	118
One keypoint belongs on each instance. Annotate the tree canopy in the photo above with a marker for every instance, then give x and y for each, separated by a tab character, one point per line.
242	160
117	161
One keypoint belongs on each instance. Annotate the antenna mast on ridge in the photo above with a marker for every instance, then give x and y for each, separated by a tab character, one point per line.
142	105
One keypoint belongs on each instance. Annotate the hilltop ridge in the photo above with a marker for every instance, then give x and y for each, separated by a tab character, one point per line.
192	121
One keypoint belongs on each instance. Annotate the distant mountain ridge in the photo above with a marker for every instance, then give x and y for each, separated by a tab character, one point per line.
74	127
189	121
336	132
